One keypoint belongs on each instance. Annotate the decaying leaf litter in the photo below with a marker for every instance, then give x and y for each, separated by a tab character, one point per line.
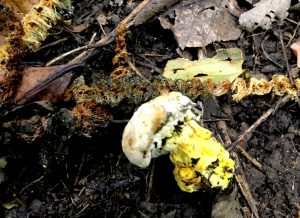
97	108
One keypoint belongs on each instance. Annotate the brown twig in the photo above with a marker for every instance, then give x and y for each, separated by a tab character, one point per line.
285	58
140	12
128	20
239	175
216	120
259	121
32	183
150	66
267	56
100	43
83	209
244	187
288	65
293	36
222	126
53	43
79	170
150	182
137	71
248	157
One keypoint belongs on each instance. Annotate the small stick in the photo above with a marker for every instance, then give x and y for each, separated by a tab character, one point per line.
105	41
239	175
150	182
268	57
248	156
53	43
100	43
85	54
79	170
223	128
285	58
291	21
136	70
293	36
83	209
287	65
32	183
258	122
241	179
216	120
244	187
252	127
127	21
155	69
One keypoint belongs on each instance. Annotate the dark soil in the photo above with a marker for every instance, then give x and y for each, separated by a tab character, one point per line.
58	168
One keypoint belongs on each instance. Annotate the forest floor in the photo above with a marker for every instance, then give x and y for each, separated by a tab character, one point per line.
60	167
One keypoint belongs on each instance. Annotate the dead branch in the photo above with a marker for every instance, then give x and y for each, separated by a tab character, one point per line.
239	175
141	14
260	120
285	58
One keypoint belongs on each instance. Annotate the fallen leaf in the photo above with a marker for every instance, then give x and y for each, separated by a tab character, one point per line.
264	14
296	50
217	68
204	22
152	8
49	82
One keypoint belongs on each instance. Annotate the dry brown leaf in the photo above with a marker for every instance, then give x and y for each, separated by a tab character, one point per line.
204	22
152	8
264	13
44	83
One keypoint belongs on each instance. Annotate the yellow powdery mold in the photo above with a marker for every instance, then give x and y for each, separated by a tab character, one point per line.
26	23
169	124
200	161
41	18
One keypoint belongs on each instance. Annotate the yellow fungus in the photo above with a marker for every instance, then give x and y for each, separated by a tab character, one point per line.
169	124
41	18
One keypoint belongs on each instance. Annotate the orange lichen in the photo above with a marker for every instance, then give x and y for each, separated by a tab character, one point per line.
121	58
90	114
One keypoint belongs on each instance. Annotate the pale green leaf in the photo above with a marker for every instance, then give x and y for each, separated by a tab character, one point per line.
226	65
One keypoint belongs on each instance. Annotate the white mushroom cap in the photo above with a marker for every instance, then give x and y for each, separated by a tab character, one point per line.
153	122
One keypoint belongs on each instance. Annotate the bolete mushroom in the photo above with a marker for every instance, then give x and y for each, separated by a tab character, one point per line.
170	124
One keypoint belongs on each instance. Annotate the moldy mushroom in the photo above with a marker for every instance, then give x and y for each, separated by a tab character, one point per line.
170	124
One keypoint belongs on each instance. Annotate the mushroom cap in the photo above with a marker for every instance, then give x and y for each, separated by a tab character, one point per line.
153	122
